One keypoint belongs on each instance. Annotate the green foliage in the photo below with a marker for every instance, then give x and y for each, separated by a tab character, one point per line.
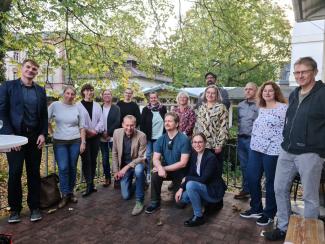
241	41
89	39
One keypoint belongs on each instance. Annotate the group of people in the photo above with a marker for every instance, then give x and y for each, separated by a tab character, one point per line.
151	146
280	140
184	145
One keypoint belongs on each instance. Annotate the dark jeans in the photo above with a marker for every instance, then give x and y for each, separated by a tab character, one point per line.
104	148
89	159
243	153
257	164
32	156
156	183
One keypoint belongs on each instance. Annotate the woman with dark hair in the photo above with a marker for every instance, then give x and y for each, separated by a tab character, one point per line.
203	183
93	117
68	141
265	148
212	120
186	114
152	124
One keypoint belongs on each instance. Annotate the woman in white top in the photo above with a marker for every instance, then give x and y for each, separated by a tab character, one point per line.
68	140
93	116
265	149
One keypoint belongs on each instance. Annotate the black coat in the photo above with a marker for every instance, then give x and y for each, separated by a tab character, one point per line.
113	119
210	174
12	108
146	120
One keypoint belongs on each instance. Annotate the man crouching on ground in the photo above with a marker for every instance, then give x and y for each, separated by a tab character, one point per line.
128	156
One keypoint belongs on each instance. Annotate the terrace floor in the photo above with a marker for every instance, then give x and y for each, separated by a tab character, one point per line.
105	218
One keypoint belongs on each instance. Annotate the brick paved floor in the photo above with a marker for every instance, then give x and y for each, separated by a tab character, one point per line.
105	218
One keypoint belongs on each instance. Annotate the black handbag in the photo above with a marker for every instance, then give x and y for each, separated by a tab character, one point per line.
50	193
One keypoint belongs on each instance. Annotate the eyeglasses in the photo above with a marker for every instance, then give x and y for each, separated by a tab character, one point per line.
197	142
303	72
170	144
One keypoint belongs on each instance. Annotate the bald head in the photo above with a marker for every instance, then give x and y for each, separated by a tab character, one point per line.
250	91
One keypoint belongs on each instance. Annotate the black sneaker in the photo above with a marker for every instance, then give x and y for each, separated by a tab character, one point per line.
194	221
152	208
249	214
264	220
14	217
35	215
275	235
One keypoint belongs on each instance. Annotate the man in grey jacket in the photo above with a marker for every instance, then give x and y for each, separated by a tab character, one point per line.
303	146
247	113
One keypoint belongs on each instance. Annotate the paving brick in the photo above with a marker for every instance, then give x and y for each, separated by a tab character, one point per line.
105	218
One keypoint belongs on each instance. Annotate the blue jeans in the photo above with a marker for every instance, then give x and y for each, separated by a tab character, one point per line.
149	153
127	189
104	148
196	193
243	149
66	156
257	164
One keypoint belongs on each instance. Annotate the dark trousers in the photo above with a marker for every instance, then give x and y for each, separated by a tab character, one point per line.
156	183
89	159
32	156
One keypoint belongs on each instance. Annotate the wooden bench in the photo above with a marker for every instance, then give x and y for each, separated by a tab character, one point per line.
305	231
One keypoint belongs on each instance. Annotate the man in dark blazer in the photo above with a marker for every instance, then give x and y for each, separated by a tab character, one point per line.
23	110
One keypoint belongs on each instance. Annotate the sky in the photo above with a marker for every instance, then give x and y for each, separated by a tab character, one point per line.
186	4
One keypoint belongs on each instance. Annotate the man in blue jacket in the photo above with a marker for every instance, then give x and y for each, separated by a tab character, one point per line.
23	109
303	146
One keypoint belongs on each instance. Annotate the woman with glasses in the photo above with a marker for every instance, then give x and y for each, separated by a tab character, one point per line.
203	184
68	141
265	149
186	114
212	120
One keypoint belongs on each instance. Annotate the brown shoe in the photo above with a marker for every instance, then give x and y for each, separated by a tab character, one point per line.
107	182
63	202
73	198
242	195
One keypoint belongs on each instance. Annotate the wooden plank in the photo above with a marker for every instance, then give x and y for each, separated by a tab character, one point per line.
305	231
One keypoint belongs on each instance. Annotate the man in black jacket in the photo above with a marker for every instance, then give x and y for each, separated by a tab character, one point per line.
23	109
303	146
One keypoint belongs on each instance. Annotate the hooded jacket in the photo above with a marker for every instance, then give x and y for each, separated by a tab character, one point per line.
304	129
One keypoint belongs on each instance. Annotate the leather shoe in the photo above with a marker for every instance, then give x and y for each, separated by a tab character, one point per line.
242	195
90	189
107	182
194	221
63	202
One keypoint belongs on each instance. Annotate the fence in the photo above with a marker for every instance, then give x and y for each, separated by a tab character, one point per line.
231	171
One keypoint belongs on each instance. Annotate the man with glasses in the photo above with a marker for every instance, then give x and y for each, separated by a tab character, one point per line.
171	154
128	107
303	146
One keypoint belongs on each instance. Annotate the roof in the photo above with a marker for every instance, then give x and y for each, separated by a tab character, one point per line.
158	77
308	10
235	93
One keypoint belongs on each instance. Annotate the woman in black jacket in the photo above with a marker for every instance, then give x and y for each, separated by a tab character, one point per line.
152	124
203	183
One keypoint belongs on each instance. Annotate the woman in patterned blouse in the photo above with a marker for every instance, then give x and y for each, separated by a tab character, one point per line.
265	148
212	120
186	114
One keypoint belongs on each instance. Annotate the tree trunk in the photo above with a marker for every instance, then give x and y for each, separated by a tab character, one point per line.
4	7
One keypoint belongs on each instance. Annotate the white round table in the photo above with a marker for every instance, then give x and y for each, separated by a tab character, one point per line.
9	141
